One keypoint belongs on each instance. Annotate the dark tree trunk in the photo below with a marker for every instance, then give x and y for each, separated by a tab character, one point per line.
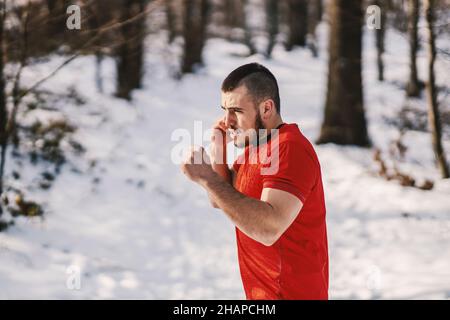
433	111
379	38
413	86
233	13
319	10
3	106
95	21
195	24
247	29
272	20
344	121
313	21
57	11
236	17
298	23
171	20
130	51
400	15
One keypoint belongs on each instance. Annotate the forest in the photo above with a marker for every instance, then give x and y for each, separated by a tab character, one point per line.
92	92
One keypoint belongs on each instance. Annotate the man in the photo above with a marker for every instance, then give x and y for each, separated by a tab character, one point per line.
279	214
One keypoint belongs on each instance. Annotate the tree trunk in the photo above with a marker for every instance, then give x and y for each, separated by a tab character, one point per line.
314	7
272	20
3	106
236	17
95	21
379	38
298	23
247	29
57	19
319	10
130	51
413	86
171	20
195	24
344	121
400	15
233	13
433	112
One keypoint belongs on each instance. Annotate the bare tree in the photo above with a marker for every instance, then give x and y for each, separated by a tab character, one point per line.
3	106
319	10
413	86
272	21
97	18
195	24
8	119
344	120
247	29
399	15
171	20
314	17
236	18
298	23
233	13
379	38
130	52
433	110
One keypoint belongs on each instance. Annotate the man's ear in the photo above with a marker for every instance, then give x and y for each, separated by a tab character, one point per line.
267	109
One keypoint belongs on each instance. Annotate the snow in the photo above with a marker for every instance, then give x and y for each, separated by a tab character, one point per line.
135	227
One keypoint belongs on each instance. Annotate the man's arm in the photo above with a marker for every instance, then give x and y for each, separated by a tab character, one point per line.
228	175
263	220
219	157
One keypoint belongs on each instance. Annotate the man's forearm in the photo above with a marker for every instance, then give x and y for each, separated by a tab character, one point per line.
223	170
220	166
219	160
252	216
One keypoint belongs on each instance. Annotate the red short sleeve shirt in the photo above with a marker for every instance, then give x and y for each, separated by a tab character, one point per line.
296	266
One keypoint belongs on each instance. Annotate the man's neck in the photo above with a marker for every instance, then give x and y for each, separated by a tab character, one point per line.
265	135
275	124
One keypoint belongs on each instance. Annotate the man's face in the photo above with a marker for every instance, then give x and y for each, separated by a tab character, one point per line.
241	116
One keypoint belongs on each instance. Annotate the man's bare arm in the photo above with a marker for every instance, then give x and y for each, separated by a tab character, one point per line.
219	157
228	175
263	221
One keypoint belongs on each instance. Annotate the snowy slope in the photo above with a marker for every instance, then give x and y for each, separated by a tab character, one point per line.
136	228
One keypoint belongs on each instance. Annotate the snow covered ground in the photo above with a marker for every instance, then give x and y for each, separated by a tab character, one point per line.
135	227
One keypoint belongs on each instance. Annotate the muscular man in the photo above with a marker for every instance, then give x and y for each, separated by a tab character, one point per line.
275	199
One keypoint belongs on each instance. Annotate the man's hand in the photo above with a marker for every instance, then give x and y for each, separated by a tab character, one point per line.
219	139
197	166
220	128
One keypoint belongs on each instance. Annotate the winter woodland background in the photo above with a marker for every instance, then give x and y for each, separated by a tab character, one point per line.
87	116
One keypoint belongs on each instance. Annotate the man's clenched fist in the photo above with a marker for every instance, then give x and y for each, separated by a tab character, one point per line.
197	165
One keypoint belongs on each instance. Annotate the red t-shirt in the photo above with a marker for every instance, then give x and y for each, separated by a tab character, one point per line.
296	266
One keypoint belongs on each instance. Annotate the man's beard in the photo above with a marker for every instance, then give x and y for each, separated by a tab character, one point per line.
255	137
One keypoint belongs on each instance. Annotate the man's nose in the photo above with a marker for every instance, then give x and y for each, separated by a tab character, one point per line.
229	119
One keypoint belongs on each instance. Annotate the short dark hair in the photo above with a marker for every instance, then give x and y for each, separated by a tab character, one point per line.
259	81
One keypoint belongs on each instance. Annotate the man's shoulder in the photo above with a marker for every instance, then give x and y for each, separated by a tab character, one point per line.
292	137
